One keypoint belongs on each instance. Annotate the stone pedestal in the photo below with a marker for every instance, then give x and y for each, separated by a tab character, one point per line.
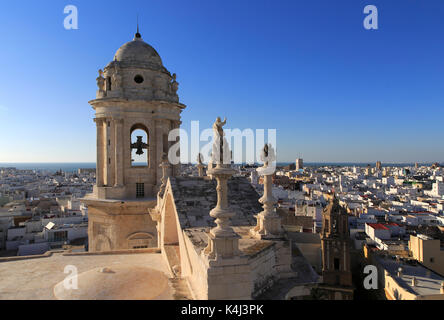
229	279
200	168
268	221
223	241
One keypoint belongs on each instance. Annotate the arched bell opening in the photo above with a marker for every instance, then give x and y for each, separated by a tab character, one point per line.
139	146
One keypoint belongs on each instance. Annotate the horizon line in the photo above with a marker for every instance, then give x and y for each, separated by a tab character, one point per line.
330	162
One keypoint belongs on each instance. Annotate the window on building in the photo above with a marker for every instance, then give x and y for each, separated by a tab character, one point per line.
336	263
60	236
108	83
432	260
140	190
138	79
140	247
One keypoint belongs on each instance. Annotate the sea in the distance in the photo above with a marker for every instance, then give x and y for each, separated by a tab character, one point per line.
74	166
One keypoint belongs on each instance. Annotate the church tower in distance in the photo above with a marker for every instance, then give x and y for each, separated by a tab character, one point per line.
136	107
337	276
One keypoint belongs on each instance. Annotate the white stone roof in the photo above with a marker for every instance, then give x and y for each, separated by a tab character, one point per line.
428	282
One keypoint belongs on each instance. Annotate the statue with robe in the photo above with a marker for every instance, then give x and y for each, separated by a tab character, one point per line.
117	78
221	153
174	85
101	81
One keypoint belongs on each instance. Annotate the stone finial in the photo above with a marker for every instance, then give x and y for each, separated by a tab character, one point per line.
268	221
200	165
210	162
223	241
174	85
164	165
101	85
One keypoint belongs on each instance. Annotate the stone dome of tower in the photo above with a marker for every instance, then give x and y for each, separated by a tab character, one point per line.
137	73
138	50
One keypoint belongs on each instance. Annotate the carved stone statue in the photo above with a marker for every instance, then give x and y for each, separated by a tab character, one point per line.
221	153
117	78
268	156
101	81
218	127
174	85
200	165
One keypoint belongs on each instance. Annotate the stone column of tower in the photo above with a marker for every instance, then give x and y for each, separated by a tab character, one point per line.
136	106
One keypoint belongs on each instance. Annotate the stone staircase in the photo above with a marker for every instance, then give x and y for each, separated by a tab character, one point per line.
179	285
181	291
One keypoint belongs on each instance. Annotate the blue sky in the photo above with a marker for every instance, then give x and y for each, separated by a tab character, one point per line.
333	90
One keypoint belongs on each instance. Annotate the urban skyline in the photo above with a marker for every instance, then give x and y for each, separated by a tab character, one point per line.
344	93
244	151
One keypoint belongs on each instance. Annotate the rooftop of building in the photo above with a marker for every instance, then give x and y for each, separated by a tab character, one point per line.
101	276
378	226
427	282
196	196
247	244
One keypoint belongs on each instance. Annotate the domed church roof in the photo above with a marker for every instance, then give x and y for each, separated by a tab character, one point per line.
138	51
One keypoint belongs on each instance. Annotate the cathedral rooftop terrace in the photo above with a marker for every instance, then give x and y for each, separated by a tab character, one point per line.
36	278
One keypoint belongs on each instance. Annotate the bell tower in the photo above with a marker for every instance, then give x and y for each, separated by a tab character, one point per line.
337	276
136	107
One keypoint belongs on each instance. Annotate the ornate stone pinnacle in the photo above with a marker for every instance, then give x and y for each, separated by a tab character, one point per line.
164	165
268	221
221	212
200	165
223	241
